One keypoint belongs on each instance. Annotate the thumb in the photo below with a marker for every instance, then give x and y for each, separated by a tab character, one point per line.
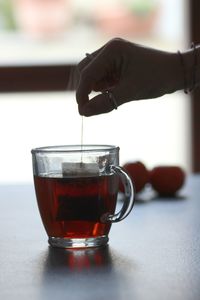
102	103
107	101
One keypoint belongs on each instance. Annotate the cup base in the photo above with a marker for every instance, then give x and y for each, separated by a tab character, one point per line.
78	243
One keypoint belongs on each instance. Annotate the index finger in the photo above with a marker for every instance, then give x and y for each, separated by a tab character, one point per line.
89	57
93	72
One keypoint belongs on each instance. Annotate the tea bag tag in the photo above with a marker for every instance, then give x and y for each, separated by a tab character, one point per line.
79	169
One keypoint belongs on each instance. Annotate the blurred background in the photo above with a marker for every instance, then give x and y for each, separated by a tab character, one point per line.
33	32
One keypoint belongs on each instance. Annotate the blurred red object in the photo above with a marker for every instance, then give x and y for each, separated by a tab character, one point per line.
119	20
138	174
42	18
167	180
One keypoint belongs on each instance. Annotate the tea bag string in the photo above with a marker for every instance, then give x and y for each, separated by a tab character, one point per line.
81	140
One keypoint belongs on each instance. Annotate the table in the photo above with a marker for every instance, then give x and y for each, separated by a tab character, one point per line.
153	254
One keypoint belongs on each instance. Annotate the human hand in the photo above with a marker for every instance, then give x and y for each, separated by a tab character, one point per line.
129	71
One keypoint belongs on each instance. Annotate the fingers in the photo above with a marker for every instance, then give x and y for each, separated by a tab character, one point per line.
91	75
83	63
101	71
98	105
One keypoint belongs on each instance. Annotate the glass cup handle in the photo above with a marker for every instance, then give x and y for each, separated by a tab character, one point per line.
129	197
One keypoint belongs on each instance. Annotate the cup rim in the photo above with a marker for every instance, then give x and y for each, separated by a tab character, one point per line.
75	148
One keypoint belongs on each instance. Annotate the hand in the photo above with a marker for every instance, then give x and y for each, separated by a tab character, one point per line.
129	71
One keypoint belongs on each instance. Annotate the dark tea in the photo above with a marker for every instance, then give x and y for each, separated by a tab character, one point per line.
72	207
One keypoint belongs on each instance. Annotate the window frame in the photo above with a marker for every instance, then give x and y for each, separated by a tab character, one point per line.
35	78
195	97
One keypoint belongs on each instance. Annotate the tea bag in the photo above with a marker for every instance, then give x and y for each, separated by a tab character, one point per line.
79	169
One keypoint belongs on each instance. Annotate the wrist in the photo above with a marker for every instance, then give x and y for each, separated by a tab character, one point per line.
176	74
191	68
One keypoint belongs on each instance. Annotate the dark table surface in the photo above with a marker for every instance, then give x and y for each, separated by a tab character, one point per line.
153	254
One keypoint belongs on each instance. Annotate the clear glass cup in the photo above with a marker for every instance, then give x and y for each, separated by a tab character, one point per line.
76	189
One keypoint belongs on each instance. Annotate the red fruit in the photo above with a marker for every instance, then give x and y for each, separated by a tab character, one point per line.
167	180
138	174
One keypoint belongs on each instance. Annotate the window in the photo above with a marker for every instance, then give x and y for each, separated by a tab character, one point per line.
41	42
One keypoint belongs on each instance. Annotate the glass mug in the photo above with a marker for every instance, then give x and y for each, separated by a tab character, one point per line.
76	189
